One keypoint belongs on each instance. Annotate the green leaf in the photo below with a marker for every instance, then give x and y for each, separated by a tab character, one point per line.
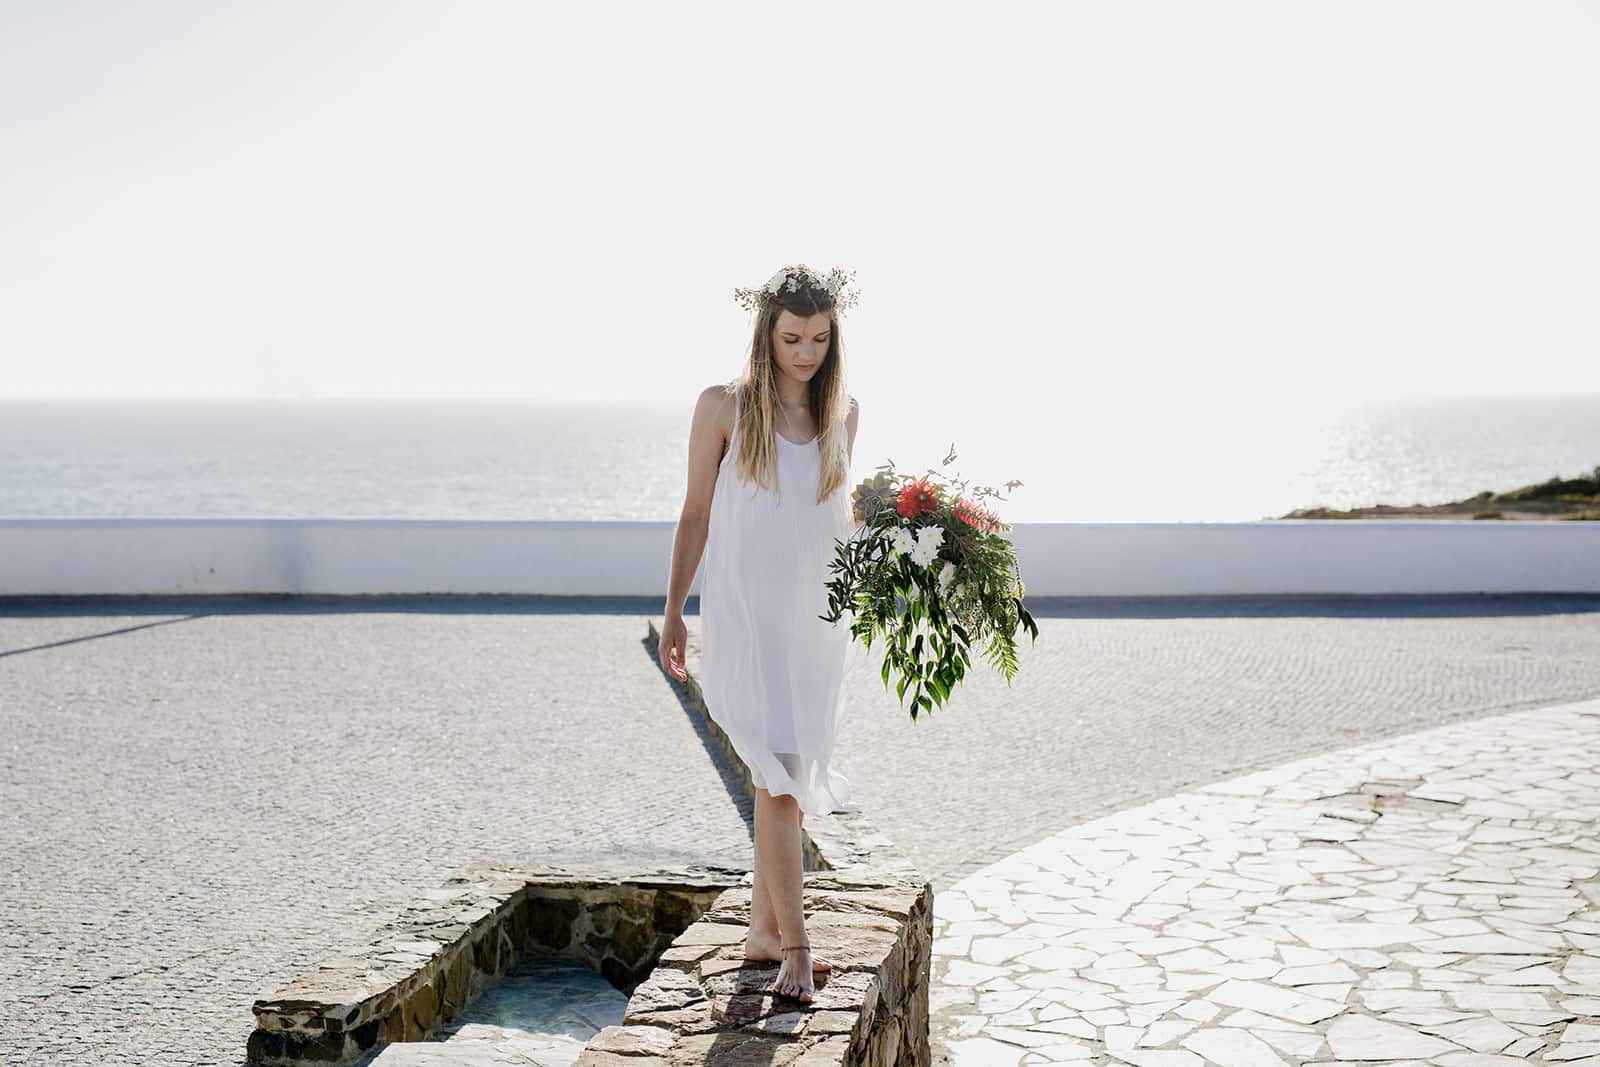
1027	620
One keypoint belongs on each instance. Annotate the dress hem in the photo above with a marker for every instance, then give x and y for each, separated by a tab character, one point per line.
811	805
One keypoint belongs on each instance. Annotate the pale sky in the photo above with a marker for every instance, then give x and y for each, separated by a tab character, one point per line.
1042	200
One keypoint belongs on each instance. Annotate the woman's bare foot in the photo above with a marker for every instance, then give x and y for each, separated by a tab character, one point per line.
765	949
794	974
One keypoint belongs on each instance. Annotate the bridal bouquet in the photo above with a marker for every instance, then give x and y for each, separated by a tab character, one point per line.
931	570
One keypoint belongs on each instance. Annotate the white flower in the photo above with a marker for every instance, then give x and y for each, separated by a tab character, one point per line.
947	575
900	540
927	545
775	282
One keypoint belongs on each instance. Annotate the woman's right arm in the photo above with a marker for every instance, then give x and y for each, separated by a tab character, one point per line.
709	428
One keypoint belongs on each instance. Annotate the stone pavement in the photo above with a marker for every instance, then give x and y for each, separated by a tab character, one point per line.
1429	900
1129	700
203	797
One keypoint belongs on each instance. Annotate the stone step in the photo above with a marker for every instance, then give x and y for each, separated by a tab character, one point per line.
437	958
705	1004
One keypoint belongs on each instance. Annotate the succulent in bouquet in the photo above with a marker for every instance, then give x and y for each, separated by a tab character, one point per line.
931	571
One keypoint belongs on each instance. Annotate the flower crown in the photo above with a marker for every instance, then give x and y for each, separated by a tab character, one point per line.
795	278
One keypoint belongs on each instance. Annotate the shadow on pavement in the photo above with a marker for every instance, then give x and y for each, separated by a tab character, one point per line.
1329	605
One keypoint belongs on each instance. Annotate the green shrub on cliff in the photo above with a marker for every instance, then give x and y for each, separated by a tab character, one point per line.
1556	488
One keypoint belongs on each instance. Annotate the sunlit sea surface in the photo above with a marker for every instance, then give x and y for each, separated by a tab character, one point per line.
473	459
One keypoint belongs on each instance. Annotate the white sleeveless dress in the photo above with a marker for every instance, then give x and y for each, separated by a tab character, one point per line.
771	670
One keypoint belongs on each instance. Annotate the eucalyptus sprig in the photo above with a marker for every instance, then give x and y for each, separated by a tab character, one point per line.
932	572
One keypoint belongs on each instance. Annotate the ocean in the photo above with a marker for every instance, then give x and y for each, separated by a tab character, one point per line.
472	459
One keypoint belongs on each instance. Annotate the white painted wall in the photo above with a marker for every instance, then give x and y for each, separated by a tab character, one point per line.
353	556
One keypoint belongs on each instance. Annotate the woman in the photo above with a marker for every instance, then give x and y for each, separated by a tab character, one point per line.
769	460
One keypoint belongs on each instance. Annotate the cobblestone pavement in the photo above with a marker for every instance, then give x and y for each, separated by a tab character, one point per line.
200	804
1430	900
204	797
1128	701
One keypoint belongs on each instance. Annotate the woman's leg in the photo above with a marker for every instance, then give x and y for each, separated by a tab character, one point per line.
778	868
763	941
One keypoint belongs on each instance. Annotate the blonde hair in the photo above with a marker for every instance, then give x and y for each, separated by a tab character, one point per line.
757	391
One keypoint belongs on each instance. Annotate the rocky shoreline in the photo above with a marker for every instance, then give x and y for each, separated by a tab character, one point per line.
1556	498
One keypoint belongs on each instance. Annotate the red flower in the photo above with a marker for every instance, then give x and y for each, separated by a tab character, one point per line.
977	515
916	498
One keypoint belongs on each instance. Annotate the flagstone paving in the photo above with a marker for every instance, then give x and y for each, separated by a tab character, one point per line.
1428	900
1125	700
